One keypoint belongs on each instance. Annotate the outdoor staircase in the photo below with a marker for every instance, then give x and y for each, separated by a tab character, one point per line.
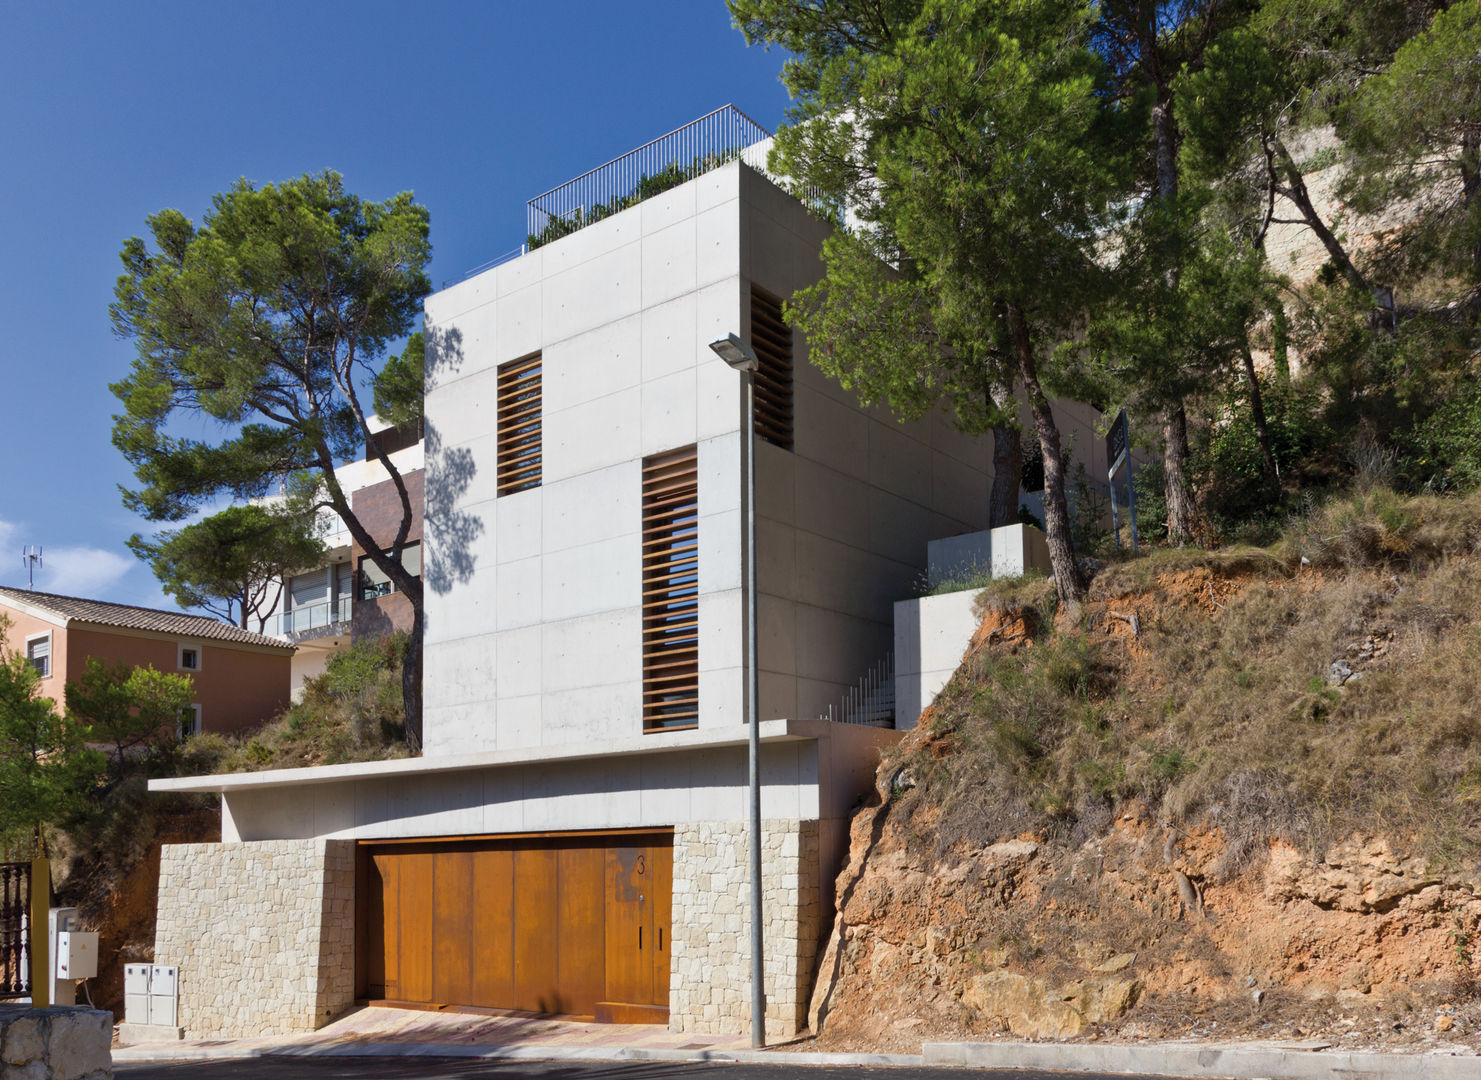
870	702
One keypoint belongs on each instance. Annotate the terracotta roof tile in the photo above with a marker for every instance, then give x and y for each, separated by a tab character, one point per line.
139	618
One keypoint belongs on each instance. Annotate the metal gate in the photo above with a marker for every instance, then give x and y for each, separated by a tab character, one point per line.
15	901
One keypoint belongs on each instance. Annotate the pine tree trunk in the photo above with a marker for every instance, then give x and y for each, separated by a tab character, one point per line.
1176	489
1257	410
1007	470
1069	583
1297	193
411	680
1470	182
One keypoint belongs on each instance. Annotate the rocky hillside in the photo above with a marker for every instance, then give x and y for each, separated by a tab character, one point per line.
1238	794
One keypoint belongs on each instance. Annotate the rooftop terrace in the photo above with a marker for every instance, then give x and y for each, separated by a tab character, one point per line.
666	162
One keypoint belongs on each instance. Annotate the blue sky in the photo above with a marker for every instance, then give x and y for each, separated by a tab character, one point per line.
110	112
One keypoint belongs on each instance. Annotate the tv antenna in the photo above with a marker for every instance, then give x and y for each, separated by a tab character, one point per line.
31	559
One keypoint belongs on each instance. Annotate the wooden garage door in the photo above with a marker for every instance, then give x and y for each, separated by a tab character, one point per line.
577	925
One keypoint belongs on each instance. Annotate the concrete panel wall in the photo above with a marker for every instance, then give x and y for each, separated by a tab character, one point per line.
931	634
844	518
627	791
533	606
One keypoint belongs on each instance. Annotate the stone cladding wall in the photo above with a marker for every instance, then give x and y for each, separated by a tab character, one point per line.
55	1043
263	933
710	988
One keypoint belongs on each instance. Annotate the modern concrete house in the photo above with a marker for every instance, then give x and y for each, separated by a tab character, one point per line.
325	607
241	678
573	838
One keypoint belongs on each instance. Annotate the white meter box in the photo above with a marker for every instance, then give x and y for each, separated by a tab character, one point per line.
136	993
163	987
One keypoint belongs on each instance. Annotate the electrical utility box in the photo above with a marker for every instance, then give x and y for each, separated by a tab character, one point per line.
59	921
77	954
164	990
136	993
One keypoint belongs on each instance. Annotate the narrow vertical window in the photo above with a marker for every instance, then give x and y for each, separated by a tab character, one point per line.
670	591
771	339
519	425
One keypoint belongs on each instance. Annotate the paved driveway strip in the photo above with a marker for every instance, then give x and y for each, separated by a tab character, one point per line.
490	1039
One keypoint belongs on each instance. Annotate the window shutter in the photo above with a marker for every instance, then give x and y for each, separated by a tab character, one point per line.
519	447
670	591
771	340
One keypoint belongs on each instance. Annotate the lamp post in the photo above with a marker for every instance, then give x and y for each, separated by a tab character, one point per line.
739	356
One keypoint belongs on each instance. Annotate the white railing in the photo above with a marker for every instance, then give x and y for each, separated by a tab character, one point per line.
314	616
871	701
682	154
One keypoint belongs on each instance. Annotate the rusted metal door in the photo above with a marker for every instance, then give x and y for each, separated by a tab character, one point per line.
538	924
639	931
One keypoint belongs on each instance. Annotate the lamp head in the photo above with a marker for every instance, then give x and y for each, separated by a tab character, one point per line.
736	353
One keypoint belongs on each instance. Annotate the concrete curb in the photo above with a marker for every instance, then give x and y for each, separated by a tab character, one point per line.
1214	1062
504	1053
1201	1061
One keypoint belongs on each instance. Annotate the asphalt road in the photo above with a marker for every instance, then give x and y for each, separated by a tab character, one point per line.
406	1068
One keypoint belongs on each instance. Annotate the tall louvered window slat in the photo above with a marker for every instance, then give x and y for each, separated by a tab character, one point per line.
518	421
670	591
771	339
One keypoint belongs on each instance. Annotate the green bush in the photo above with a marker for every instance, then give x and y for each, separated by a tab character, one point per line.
1444	451
1239	500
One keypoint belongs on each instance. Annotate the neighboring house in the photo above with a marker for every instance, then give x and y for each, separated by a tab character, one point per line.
346	598
573	838
241	678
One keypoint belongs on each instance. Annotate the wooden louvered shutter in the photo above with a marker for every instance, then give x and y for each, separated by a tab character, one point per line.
670	591
519	425
771	339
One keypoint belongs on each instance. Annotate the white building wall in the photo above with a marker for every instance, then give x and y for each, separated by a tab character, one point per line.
843	518
537	642
931	635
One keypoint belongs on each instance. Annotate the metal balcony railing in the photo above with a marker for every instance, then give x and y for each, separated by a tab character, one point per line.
314	616
667	161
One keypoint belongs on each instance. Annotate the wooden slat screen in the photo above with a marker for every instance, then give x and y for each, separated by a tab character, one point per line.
771	338
518	421
670	591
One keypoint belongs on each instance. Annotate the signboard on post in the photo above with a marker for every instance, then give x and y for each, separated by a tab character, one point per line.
1118	453
1117	442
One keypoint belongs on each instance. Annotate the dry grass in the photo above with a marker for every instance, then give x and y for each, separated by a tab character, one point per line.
1221	711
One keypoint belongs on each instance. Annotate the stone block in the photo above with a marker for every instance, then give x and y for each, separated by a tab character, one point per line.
23	1042
80	1044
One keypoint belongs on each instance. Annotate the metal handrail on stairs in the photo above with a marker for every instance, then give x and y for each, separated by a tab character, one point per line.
871	701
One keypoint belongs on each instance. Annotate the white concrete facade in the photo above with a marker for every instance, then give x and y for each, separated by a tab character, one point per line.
931	634
622	313
533	637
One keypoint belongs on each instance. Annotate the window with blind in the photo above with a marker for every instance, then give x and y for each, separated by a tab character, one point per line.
38	652
518	419
670	591
771	340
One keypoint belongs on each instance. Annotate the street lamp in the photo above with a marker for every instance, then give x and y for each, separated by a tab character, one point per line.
739	356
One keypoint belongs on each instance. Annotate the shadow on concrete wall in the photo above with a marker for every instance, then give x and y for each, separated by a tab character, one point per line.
449	532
